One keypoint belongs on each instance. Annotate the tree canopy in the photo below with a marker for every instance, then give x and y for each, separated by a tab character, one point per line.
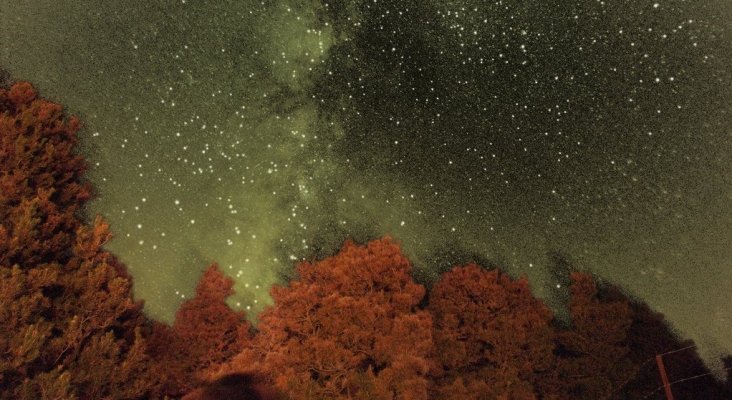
493	338
70	328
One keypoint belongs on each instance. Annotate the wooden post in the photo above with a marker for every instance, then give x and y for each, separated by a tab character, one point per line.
664	378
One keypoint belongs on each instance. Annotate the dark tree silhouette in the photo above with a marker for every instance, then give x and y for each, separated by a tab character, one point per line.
649	335
5	78
558	282
727	362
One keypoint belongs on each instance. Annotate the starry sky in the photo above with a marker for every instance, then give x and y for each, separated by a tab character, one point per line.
259	133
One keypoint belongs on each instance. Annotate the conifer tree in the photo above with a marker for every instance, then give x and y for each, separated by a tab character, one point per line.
593	359
492	337
347	328
205	334
70	328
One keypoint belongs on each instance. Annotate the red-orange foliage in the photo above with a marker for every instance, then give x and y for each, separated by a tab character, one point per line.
205	334
40	181
211	330
492	337
69	326
348	328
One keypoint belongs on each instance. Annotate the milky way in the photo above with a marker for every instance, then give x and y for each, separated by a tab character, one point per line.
256	134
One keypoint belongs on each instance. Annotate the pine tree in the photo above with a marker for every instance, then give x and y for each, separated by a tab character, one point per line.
347	328
70	328
492	337
593	355
205	334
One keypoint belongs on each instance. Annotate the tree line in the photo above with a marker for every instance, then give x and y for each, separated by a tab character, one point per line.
355	325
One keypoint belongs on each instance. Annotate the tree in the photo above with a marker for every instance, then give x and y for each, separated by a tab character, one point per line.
493	339
727	362
347	328
70	328
593	360
211	331
558	281
5	78
649	335
205	334
41	186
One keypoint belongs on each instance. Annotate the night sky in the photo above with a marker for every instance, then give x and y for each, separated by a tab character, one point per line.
259	133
